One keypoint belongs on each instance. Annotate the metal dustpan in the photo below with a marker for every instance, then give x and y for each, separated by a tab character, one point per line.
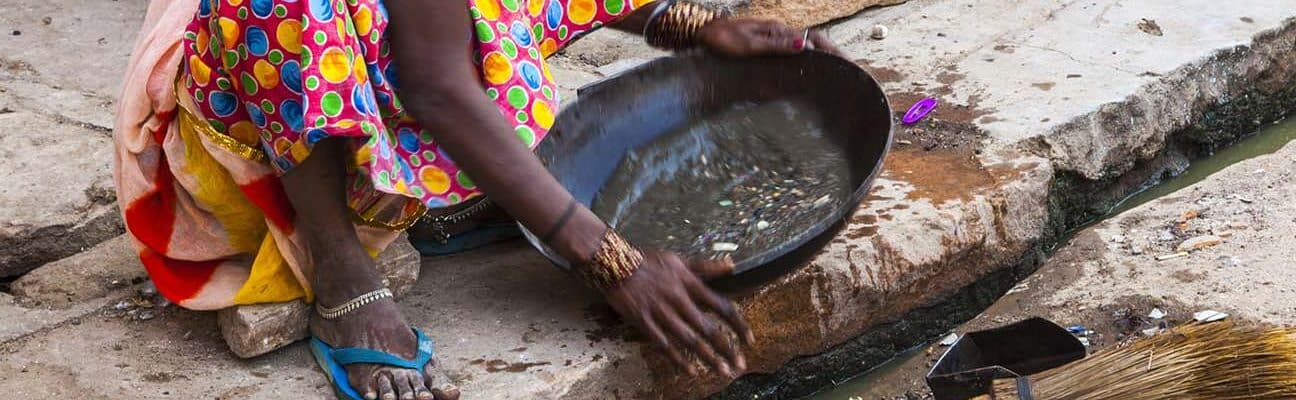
592	135
969	368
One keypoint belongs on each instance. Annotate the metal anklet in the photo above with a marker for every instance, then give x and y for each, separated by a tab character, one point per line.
440	223
353	304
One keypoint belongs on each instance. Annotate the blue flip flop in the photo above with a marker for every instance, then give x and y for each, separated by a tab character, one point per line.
333	361
481	236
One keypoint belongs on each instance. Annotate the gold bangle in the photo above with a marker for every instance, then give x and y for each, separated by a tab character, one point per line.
613	262
676	27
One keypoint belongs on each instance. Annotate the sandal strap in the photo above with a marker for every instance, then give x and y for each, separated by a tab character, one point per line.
356	355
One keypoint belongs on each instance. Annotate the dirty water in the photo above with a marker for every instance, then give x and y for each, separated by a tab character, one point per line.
1265	141
749	178
877	382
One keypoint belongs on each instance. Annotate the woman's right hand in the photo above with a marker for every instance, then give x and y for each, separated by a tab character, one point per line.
665	298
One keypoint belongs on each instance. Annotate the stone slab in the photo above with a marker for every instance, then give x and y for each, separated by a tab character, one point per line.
108	266
78	46
253	330
178	354
1108	277
57	198
20	320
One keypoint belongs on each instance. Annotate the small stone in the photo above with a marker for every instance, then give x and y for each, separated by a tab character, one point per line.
122	305
949	339
17	32
1118	239
1230	261
762	225
726	203
724	246
1209	316
47	20
1167	236
146	315
1188	215
1151	331
148	290
822	200
1150	27
879	32
1199	242
1156	314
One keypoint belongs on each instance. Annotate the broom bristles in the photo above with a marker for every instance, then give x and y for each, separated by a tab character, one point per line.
1200	361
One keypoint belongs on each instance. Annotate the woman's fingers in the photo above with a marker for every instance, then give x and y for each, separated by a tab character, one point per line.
821	42
770	37
689	338
712	269
658	338
725	309
702	324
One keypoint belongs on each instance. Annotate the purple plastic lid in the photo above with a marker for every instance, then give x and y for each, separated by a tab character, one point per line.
919	110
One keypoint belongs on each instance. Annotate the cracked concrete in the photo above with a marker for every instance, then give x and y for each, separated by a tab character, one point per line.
1032	100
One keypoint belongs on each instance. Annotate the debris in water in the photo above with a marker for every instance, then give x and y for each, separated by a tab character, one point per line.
724	246
879	32
1171	256
1198	243
1209	316
1077	329
822	200
1084	341
1156	314
949	340
765	162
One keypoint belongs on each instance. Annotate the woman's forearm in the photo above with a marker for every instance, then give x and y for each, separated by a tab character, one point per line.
469	127
442	89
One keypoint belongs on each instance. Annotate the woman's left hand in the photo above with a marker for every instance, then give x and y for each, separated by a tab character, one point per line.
741	37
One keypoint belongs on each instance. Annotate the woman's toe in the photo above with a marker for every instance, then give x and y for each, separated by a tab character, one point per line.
446	392
385	389
404	390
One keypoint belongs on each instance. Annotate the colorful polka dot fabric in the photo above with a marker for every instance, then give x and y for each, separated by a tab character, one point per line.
283	74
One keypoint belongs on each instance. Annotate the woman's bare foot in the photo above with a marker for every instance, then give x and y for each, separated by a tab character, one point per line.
380	326
341	271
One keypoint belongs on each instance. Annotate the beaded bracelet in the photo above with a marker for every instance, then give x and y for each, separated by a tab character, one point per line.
613	262
674	25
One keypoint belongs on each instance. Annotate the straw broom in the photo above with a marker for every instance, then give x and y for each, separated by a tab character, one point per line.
1218	361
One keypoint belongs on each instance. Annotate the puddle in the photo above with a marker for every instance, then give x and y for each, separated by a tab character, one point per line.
1265	141
885	381
874	383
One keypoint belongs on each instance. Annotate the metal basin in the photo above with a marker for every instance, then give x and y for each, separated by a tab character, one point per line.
592	135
